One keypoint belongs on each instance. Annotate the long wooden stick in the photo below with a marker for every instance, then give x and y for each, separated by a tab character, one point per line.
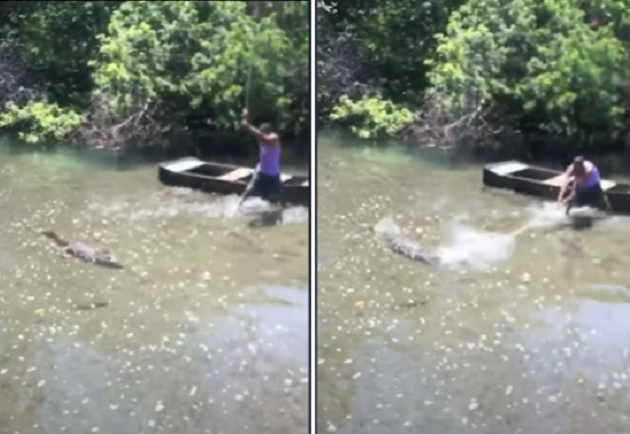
247	85
521	230
255	14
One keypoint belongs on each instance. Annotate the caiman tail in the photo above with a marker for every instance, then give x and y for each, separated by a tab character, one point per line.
52	235
389	233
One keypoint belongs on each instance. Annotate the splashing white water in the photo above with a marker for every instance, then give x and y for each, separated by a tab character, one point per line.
482	249
256	206
546	215
467	246
184	202
386	226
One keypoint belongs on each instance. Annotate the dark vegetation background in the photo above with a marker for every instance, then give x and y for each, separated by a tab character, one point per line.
153	75
533	78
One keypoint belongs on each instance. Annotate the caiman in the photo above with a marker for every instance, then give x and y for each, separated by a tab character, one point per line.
410	249
83	251
390	235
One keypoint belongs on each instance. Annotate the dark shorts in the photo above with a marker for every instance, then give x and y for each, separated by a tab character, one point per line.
591	196
267	187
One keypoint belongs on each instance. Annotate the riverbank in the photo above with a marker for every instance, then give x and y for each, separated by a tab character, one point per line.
612	161
232	148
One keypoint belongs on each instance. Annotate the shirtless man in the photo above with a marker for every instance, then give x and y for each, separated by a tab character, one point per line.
582	182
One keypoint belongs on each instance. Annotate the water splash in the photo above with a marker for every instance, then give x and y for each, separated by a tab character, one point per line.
464	246
467	246
386	227
545	215
295	214
482	249
184	202
549	215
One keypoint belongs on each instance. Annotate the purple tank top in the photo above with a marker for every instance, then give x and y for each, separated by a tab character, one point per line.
592	178
269	163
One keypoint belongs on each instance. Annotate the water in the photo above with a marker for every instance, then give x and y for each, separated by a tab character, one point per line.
480	249
523	328
203	331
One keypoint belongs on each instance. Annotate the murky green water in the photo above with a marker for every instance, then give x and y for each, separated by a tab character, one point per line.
526	333
205	330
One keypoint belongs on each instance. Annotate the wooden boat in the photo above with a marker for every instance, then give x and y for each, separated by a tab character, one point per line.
219	178
546	183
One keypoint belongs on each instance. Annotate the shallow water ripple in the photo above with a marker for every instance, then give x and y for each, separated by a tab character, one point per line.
523	330
202	331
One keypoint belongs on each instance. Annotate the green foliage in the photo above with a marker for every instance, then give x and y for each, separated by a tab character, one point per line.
293	18
534	59
186	54
555	68
40	122
180	60
395	37
59	38
371	117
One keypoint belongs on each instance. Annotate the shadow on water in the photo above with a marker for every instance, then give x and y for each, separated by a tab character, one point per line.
515	335
393	150
200	380
115	160
609	163
80	389
267	340
591	339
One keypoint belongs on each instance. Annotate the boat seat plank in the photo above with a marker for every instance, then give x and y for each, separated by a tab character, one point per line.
237	174
509	167
183	165
556	181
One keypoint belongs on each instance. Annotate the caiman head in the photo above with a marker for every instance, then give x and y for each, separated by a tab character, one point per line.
105	259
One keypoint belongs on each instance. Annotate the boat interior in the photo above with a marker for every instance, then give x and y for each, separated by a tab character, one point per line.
550	177
211	170
554	178
243	174
616	187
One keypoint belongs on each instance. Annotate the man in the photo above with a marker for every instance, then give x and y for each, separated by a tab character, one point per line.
583	184
266	181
